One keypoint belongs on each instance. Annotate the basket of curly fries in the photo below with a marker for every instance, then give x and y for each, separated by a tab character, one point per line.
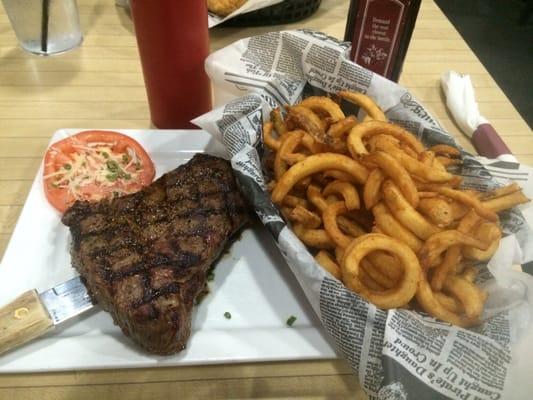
399	238
380	211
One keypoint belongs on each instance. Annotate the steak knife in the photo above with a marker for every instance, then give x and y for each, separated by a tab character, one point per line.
32	314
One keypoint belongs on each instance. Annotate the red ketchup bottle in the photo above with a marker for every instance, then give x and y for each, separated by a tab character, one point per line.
173	41
380	31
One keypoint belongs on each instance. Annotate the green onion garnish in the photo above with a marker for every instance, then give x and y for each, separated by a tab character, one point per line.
112	165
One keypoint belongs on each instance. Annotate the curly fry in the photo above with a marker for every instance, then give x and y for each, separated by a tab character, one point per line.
293	201
448	302
304	118
342	127
350	227
444	149
372	188
277	121
307	218
382	141
467	293
453	254
325	260
330	223
436	244
392	227
366	279
413	166
312	165
468	200
427	158
318	238
288	144
501	191
470	273
339	175
405	213
311	144
431	305
446	162
437	210
392	298
487	232
324	104
268	139
397	173
365	102
346	190
370	128
374	273
505	202
387	264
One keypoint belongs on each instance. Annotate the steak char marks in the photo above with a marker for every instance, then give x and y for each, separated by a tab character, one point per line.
144	257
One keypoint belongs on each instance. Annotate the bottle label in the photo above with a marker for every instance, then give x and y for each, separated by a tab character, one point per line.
378	28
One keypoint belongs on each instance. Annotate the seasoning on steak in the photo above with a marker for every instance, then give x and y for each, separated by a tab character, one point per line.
144	257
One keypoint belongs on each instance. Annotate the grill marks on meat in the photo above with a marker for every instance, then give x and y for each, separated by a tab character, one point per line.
144	257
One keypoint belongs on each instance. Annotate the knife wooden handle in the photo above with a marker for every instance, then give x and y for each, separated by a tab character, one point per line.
22	320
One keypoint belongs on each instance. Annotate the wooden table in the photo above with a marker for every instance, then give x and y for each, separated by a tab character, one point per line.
100	85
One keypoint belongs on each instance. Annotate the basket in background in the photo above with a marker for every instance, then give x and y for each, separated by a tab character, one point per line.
282	13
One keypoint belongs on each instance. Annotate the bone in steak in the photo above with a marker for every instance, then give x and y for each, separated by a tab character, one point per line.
144	257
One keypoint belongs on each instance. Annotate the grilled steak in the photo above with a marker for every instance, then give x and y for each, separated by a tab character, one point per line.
144	257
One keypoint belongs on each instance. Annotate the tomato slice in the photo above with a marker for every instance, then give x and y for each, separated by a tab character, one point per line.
92	165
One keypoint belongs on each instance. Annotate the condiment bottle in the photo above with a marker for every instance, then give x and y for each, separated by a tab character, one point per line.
173	41
380	31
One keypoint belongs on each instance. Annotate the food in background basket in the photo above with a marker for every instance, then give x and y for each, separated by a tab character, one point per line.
92	165
224	7
332	174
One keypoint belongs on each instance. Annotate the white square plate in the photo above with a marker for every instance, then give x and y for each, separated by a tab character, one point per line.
252	282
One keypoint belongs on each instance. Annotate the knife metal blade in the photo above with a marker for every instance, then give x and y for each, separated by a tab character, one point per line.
32	314
66	300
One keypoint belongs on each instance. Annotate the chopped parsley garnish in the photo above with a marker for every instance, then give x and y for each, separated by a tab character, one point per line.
291	320
227	315
125	159
112	165
105	155
67	166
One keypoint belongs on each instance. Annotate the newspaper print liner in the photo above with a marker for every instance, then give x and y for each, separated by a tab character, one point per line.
395	354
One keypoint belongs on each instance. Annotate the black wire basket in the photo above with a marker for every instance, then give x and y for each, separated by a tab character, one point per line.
282	13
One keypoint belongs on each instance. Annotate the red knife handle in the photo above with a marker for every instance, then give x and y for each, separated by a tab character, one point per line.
488	143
